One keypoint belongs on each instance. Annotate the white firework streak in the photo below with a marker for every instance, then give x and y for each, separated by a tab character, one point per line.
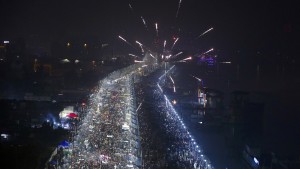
141	45
174	43
189	58
184	60
132	55
208	51
178	54
179	4
172	80
165	44
144	22
173	84
152	56
167	57
196	78
130	7
138	61
126	41
122	38
210	29
156	28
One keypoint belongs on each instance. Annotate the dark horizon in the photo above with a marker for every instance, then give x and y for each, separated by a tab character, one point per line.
237	24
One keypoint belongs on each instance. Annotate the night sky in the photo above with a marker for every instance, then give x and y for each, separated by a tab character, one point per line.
246	24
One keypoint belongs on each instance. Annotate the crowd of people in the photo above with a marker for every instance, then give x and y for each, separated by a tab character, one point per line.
165	140
114	134
108	134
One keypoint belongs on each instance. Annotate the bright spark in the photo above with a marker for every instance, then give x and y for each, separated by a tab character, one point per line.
178	54
172	79
184	60
141	45
126	41
226	62
173	83
123	39
210	29
189	58
179	4
139	107
152	56
208	51
144	22
156	28
138	43
132	55
197	78
138	61
167	57
165	42
174	43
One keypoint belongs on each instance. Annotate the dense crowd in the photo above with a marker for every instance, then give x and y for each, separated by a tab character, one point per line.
165	139
108	135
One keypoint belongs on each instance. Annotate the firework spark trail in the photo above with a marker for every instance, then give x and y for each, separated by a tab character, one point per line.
208	51
174	43
139	106
130	7
144	22
184	60
152	56
172	80
126	41
189	58
179	4
174	88
178	54
165	44
132	55
138	61
167	57
141	46
225	62
156	28
210	29
196	78
139	43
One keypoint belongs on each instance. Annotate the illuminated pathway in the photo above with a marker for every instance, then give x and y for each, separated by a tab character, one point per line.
189	148
108	135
